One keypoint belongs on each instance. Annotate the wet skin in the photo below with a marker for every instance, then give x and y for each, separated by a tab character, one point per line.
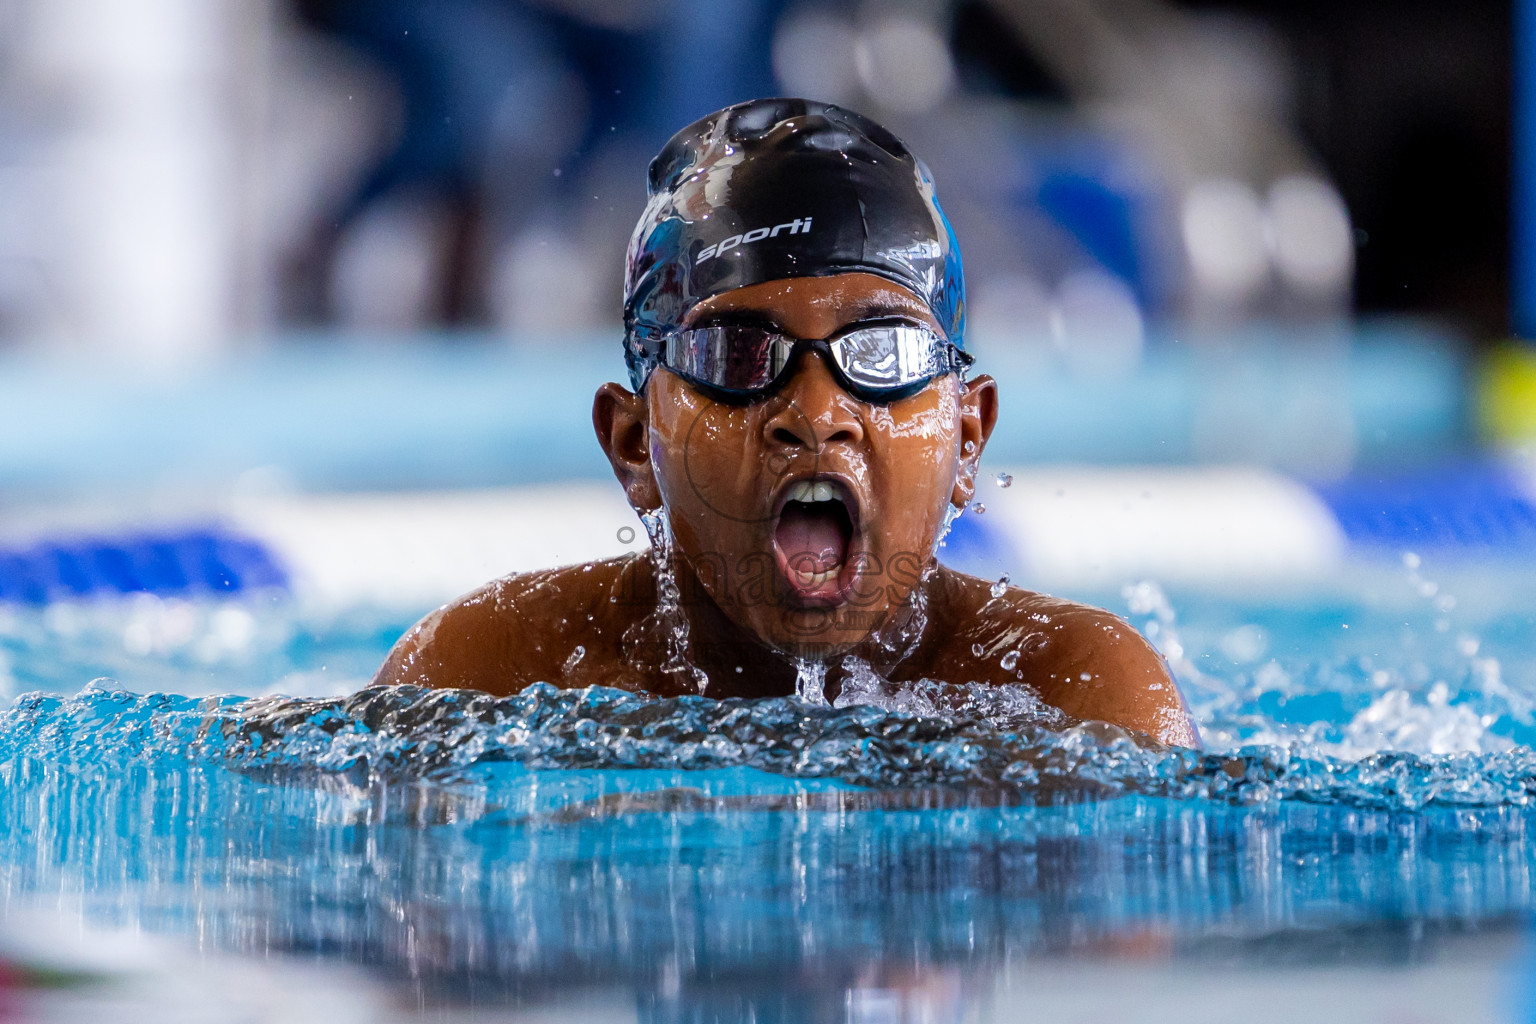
753	601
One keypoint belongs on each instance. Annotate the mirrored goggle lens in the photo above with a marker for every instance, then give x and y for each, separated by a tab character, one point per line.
735	358
887	357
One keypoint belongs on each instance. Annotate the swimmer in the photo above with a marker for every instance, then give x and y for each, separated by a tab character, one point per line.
800	430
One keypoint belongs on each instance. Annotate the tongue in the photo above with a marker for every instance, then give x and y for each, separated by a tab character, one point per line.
813	537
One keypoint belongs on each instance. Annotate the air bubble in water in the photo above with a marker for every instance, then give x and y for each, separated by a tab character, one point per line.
1005	479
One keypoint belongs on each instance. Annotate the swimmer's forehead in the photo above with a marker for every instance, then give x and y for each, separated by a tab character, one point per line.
816	306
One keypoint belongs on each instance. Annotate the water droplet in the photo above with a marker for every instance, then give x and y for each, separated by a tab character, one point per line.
1009	661
978	507
978	650
1411	560
575	659
970	448
951	513
1005	479
999	588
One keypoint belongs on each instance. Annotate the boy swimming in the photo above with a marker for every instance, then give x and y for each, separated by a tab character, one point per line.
799	434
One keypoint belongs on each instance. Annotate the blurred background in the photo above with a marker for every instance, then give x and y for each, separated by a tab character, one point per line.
299	246
302	308
185	176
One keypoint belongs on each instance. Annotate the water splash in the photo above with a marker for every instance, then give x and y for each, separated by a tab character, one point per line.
1007	707
669	619
811	681
1392	689
1283	698
942	736
1148	599
1485	675
1000	588
951	513
898	636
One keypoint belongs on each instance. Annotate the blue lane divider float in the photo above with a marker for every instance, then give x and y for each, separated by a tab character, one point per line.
1468	505
194	562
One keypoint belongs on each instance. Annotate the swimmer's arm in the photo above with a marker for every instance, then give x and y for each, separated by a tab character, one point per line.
1088	663
469	643
1108	672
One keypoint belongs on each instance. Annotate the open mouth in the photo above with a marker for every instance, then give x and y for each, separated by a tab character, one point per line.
814	535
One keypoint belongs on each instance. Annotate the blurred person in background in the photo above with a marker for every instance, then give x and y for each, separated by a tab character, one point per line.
520	120
512	115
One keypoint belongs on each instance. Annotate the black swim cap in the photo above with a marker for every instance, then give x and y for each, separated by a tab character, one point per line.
781	188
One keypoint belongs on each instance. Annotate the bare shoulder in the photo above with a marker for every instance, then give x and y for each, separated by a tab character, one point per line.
517	630
1084	660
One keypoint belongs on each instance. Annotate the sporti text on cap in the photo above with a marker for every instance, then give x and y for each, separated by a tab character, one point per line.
780	188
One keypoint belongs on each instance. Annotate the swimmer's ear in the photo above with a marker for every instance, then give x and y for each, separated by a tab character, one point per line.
978	415
618	415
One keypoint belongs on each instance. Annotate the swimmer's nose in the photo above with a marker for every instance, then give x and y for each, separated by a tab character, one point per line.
814	409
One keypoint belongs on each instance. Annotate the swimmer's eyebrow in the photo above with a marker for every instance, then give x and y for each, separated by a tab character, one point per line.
876	307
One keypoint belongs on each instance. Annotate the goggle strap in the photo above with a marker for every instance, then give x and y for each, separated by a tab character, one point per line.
642	354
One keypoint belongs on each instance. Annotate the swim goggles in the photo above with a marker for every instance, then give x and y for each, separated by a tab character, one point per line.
874	361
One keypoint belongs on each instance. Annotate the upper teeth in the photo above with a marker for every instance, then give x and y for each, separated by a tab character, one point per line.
805	490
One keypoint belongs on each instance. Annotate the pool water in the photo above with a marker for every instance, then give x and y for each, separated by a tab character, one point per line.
1365	797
